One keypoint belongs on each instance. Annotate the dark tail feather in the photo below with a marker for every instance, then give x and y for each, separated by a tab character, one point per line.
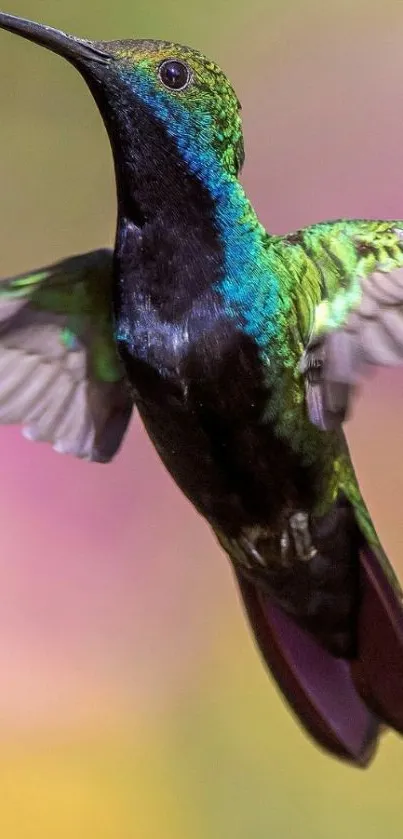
378	672
342	704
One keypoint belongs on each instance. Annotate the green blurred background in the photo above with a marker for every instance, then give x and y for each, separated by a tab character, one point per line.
133	704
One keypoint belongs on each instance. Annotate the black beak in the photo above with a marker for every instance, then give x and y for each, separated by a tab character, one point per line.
71	48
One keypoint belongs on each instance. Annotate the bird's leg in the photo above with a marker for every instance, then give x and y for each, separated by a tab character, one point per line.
301	535
259	548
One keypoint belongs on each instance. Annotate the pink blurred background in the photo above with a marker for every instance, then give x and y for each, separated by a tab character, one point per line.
132	701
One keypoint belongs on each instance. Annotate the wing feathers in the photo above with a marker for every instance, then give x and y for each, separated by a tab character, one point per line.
371	334
53	325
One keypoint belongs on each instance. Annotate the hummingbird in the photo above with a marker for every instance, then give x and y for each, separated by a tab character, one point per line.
241	351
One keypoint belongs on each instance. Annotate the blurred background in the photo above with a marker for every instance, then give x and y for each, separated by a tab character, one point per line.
133	704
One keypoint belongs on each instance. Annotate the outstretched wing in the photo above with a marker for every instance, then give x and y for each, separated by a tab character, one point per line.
358	320
60	375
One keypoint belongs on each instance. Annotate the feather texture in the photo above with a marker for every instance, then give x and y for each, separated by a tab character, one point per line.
360	326
60	376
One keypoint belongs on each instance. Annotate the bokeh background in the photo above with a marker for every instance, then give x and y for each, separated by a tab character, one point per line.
133	704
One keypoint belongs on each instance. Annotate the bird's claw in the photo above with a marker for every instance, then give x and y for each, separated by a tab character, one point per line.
257	548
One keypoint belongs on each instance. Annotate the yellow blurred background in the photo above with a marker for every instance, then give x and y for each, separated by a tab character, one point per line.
133	704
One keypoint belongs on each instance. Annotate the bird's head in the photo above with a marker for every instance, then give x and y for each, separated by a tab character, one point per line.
138	84
188	94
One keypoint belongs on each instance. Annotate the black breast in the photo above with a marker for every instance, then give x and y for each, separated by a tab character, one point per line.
204	410
197	377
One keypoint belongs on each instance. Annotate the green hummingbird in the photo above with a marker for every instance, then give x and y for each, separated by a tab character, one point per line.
241	352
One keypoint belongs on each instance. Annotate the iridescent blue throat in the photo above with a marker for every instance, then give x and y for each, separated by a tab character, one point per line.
249	287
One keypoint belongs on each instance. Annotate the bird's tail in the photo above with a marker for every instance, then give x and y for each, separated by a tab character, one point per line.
343	704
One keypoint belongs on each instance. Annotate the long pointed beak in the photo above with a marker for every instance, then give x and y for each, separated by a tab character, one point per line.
71	48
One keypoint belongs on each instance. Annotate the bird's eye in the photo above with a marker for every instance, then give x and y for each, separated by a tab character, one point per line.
175	75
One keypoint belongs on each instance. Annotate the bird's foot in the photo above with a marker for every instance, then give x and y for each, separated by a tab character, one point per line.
298	526
259	547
